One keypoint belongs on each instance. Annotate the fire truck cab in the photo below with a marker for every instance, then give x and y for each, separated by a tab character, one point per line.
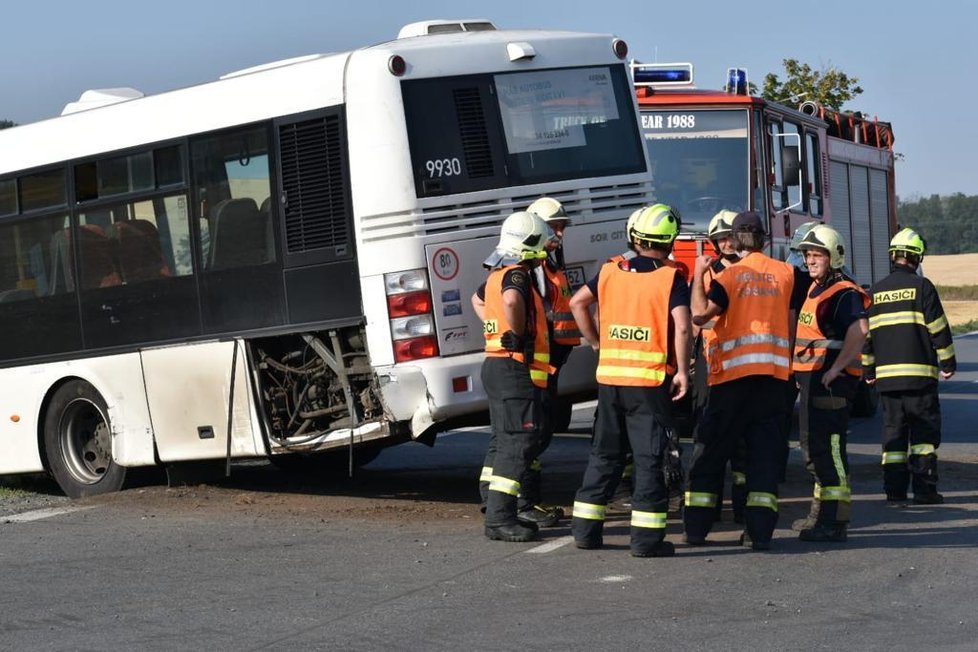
711	150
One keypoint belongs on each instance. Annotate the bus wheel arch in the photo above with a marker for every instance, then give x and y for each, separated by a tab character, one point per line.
76	440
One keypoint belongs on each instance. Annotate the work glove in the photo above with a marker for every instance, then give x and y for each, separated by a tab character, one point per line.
672	465
517	344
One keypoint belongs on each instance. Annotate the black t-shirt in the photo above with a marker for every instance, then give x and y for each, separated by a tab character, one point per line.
678	296
517	278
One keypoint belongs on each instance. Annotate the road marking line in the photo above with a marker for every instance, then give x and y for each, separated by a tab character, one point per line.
39	514
550	546
616	578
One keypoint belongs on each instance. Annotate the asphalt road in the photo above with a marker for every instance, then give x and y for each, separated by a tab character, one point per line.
396	559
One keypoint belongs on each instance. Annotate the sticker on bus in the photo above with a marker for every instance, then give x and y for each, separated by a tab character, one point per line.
575	277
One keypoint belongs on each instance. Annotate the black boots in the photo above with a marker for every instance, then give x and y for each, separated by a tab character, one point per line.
825	533
516	533
928	498
541	515
658	549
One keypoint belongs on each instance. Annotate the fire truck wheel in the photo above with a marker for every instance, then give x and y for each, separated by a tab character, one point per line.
78	442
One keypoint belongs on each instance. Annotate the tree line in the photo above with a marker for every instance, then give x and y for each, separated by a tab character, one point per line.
948	223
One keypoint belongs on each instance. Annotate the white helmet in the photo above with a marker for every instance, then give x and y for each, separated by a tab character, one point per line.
549	209
828	240
523	237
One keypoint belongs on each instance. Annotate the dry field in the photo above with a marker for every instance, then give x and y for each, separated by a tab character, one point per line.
960	269
956	270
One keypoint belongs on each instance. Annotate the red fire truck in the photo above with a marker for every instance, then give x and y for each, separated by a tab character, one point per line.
726	149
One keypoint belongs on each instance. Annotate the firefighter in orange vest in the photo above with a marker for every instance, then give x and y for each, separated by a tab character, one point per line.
832	328
720	235
516	369
750	360
643	361
564	336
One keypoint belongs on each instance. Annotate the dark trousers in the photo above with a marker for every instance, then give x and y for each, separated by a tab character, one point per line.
517	411
628	418
530	483
790	398
748	409
910	418
738	460
823	420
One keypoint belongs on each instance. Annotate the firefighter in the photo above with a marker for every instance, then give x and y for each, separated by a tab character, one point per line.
720	236
749	364
832	328
643	361
553	285
909	347
516	369
564	336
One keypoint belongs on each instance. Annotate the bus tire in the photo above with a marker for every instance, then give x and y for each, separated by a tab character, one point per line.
78	442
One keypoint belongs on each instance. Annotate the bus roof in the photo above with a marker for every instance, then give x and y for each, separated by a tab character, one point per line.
279	88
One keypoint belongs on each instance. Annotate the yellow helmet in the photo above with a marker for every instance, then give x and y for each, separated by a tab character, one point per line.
828	239
721	224
549	209
656	224
909	241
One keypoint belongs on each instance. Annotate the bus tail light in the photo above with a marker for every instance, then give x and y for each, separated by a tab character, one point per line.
415	348
409	303
412	320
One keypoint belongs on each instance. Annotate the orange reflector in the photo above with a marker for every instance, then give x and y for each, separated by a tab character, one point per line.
460	384
15	418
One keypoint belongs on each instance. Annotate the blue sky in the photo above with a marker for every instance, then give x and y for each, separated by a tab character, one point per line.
915	60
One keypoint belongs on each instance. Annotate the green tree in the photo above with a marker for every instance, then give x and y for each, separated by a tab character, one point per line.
829	86
7	123
949	223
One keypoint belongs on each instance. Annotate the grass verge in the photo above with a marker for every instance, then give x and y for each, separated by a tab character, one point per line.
958	292
966	327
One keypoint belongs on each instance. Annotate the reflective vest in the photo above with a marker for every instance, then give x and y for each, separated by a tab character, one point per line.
565	328
495	325
814	351
706	330
752	334
668	262
634	311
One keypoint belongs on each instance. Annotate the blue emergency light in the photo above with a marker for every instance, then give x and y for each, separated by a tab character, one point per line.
662	74
737	81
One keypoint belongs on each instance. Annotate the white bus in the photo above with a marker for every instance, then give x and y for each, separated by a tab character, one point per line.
279	262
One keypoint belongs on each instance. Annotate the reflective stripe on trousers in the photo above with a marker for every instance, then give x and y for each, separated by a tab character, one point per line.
651	520
504	485
589	511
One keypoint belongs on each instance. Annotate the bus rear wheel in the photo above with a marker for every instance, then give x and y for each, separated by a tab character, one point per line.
78	442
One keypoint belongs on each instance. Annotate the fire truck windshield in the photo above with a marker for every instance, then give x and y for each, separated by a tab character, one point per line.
699	161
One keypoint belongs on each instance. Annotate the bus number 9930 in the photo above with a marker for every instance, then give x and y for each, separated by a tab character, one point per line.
443	167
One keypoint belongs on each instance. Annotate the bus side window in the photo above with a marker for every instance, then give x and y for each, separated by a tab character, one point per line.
139	252
237	234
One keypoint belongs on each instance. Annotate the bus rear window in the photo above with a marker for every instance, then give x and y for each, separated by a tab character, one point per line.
479	132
